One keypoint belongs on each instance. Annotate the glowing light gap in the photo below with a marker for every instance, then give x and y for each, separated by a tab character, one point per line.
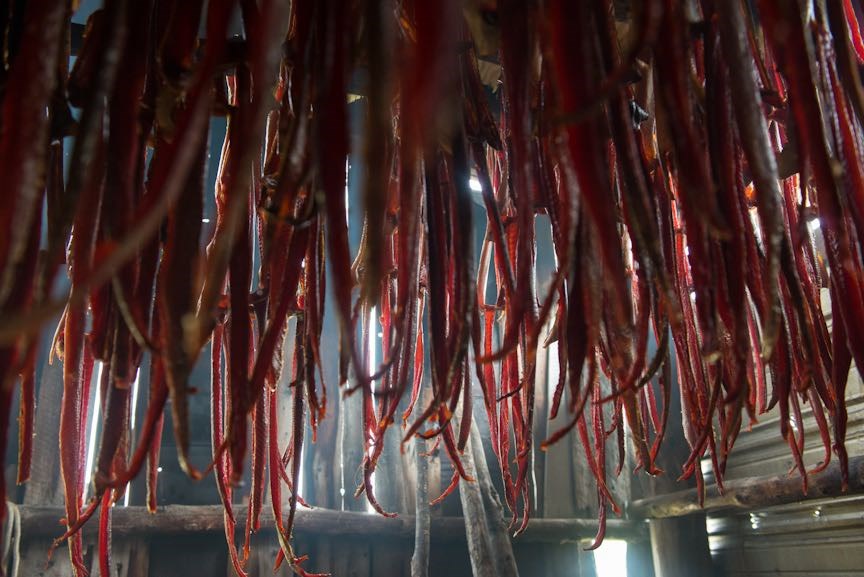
94	425
128	493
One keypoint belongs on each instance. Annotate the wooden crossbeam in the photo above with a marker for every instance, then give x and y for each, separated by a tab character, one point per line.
179	519
754	493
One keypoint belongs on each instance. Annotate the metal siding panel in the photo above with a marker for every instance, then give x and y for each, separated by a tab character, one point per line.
816	538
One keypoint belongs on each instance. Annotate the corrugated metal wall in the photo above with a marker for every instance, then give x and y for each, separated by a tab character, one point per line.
819	537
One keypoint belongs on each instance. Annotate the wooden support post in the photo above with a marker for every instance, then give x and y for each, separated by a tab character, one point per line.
44	487
569	488
480	551
680	548
489	545
351	449
420	559
327	451
639	559
388	474
325	488
353	559
389	559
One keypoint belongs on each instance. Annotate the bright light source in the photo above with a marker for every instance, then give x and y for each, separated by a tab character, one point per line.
755	521
94	424
158	469
134	400
205	220
813	225
474	184
372	343
610	558
372	356
347	196
128	493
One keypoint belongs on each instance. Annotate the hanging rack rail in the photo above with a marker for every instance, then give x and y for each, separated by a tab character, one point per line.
753	493
178	519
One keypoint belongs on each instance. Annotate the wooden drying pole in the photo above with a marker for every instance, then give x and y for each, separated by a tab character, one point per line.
753	493
185	519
